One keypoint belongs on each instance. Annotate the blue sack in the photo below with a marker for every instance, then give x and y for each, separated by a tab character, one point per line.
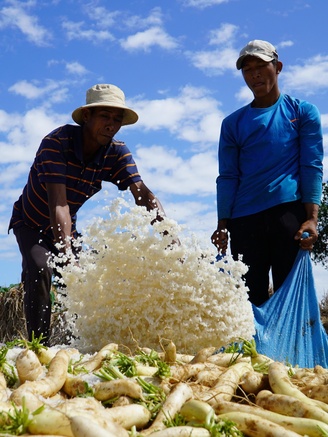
288	325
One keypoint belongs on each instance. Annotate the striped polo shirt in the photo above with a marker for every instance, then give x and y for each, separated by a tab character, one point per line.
59	160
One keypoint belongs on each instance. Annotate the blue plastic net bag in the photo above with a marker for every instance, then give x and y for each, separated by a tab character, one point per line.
288	325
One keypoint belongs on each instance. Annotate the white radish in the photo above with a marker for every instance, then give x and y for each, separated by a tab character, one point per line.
143	370
32	401
227	359
227	383
181	358
196	410
3	383
300	425
28	366
5	406
129	415
290	406
170	351
281	383
182	431
184	372
81	406
209	376
110	389
316	376
255	426
317	392
122	401
203	355
253	382
124	416
50	421
180	394
50	384
74	385
90	407
83	426
46	354
94	362
3	388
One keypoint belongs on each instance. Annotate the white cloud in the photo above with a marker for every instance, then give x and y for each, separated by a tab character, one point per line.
173	174
325	159
203	3
193	115
14	16
283	44
244	95
215	62
7	121
223	58
10	173
324	120
154	36
309	77
76	68
225	34
79	31
320	280
25	133
138	22
52	91
104	18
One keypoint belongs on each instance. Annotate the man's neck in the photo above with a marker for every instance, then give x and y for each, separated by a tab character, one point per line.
265	102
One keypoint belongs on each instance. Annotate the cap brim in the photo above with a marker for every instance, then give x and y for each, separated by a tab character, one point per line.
265	58
129	116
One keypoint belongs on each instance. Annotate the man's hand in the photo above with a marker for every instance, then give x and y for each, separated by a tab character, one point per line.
220	236
220	240
144	197
310	226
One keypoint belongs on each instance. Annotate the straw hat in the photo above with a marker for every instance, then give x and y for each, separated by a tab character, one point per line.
106	95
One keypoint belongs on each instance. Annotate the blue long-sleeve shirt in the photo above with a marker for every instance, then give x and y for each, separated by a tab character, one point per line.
269	156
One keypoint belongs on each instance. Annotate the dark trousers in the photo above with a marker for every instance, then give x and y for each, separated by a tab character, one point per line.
36	278
266	241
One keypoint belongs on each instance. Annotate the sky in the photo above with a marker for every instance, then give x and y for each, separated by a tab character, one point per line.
175	62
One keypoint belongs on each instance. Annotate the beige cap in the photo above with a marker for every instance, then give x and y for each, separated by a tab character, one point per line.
261	49
106	95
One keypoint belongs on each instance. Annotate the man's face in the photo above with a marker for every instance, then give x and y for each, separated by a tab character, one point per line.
260	76
102	123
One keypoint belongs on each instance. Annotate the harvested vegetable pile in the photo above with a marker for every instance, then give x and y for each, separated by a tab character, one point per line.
59	391
134	286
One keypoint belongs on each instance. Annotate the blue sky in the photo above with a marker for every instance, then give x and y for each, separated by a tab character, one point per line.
175	61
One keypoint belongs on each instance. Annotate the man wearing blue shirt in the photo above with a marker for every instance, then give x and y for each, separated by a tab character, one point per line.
270	175
69	167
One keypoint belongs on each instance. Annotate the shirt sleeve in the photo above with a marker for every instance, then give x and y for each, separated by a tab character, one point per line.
50	161
311	154
123	169
228	179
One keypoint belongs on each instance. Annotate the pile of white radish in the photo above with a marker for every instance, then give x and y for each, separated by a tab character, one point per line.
134	286
59	391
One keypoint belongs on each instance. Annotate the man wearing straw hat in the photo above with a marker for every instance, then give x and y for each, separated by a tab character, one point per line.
69	167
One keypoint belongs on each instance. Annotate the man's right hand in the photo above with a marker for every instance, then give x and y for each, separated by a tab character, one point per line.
220	239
